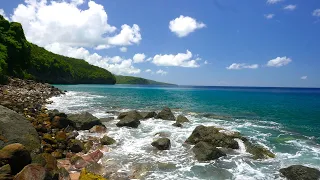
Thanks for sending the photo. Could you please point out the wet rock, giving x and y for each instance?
(14, 128)
(205, 152)
(98, 129)
(61, 122)
(163, 134)
(299, 172)
(135, 115)
(85, 175)
(166, 114)
(58, 154)
(258, 151)
(148, 115)
(78, 162)
(162, 144)
(128, 123)
(32, 172)
(63, 174)
(139, 171)
(96, 168)
(5, 172)
(212, 136)
(47, 161)
(84, 121)
(61, 136)
(88, 145)
(176, 124)
(106, 140)
(93, 156)
(16, 155)
(76, 146)
(182, 119)
(48, 138)
(108, 119)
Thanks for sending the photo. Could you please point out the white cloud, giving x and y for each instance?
(279, 61)
(162, 72)
(47, 22)
(238, 66)
(149, 59)
(304, 77)
(3, 14)
(206, 62)
(148, 71)
(100, 47)
(269, 16)
(273, 1)
(139, 58)
(290, 7)
(116, 64)
(184, 25)
(316, 13)
(123, 49)
(180, 59)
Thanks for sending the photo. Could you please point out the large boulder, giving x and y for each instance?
(299, 172)
(148, 115)
(32, 172)
(205, 152)
(84, 121)
(130, 115)
(16, 155)
(166, 114)
(182, 119)
(162, 143)
(14, 128)
(212, 136)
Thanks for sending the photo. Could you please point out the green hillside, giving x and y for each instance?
(19, 58)
(137, 80)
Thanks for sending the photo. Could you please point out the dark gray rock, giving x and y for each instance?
(128, 123)
(14, 128)
(106, 140)
(76, 146)
(84, 121)
(135, 115)
(148, 115)
(299, 172)
(162, 144)
(176, 124)
(206, 152)
(166, 114)
(182, 119)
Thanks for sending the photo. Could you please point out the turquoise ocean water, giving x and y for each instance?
(285, 120)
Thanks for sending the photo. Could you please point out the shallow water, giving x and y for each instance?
(287, 121)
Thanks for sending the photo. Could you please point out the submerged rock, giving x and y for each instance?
(162, 144)
(14, 128)
(299, 172)
(106, 140)
(84, 121)
(182, 119)
(205, 152)
(166, 114)
(147, 115)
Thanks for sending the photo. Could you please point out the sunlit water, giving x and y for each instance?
(287, 121)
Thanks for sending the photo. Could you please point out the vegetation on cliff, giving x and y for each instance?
(137, 80)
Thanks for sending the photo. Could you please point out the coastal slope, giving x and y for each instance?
(138, 80)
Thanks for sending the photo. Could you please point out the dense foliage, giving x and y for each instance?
(19, 58)
(137, 80)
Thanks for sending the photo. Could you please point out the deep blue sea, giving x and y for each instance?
(284, 120)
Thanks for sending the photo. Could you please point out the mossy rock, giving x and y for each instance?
(76, 146)
(182, 119)
(61, 136)
(85, 175)
(106, 140)
(258, 151)
(49, 139)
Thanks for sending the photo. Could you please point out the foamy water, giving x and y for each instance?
(134, 145)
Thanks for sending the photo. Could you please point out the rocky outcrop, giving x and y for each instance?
(106, 140)
(162, 143)
(16, 155)
(84, 121)
(205, 152)
(182, 119)
(148, 115)
(15, 128)
(166, 114)
(299, 172)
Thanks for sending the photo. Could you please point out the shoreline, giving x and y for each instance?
(87, 163)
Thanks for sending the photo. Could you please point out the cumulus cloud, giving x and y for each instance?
(116, 64)
(269, 16)
(123, 49)
(238, 66)
(46, 22)
(139, 58)
(316, 13)
(3, 14)
(184, 25)
(290, 7)
(162, 72)
(304, 77)
(148, 71)
(273, 1)
(180, 59)
(279, 61)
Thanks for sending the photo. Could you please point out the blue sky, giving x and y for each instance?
(204, 39)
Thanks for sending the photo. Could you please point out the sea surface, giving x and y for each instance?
(284, 120)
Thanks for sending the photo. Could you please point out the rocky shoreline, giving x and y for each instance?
(37, 143)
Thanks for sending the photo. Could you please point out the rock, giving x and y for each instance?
(162, 144)
(258, 151)
(148, 115)
(176, 124)
(16, 155)
(87, 146)
(14, 128)
(130, 115)
(108, 119)
(106, 140)
(63, 174)
(93, 157)
(58, 154)
(212, 136)
(32, 172)
(205, 152)
(47, 161)
(128, 122)
(5, 172)
(139, 171)
(61, 122)
(84, 121)
(61, 136)
(85, 175)
(76, 146)
(166, 114)
(48, 138)
(182, 119)
(98, 129)
(96, 168)
(299, 172)
(78, 162)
